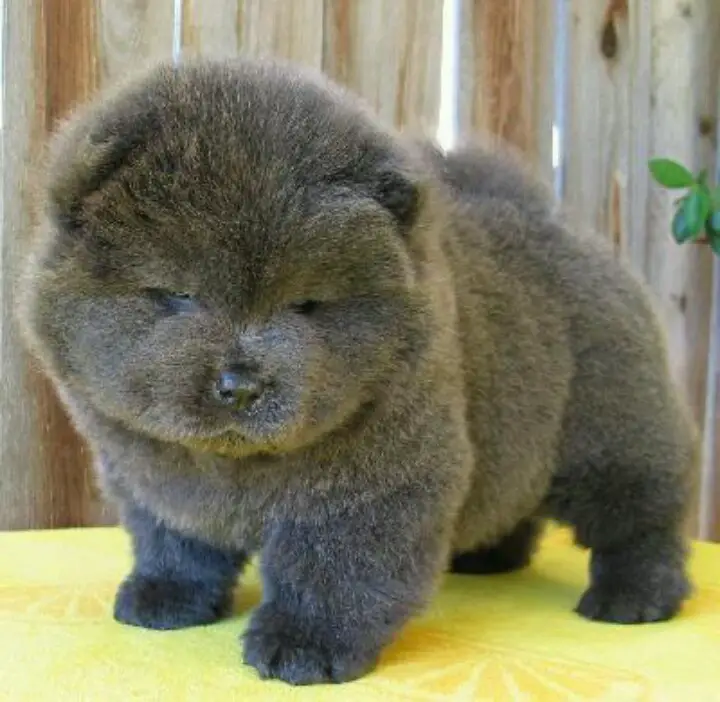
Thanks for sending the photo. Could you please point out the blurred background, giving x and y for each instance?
(590, 90)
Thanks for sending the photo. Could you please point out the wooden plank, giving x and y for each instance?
(62, 71)
(601, 98)
(610, 79)
(709, 527)
(707, 97)
(212, 28)
(710, 484)
(506, 75)
(43, 465)
(22, 458)
(289, 29)
(684, 74)
(66, 71)
(712, 422)
(390, 53)
(132, 34)
(61, 53)
(640, 77)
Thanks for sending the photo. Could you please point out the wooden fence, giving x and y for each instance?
(589, 90)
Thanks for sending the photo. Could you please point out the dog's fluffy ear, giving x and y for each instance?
(398, 194)
(83, 155)
(386, 182)
(86, 152)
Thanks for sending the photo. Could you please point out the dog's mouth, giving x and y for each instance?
(275, 424)
(228, 444)
(241, 438)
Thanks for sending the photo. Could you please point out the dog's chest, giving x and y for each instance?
(212, 500)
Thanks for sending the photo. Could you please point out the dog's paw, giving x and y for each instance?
(641, 602)
(279, 646)
(162, 603)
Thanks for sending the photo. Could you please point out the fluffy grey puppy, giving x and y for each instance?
(285, 329)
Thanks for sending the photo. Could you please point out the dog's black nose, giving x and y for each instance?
(237, 387)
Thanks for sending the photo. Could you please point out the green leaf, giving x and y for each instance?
(705, 200)
(689, 220)
(680, 230)
(714, 239)
(670, 174)
(715, 198)
(692, 210)
(712, 223)
(704, 188)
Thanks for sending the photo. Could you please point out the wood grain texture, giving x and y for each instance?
(602, 102)
(685, 40)
(710, 484)
(289, 29)
(506, 75)
(712, 531)
(390, 54)
(22, 459)
(212, 28)
(133, 34)
(641, 77)
(706, 45)
(64, 72)
(61, 53)
(43, 464)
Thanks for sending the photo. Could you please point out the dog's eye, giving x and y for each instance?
(172, 301)
(305, 306)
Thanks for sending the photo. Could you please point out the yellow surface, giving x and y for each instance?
(509, 637)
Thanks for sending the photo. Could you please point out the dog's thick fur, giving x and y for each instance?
(438, 364)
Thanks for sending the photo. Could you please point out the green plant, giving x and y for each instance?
(697, 213)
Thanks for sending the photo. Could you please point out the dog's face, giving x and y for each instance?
(225, 261)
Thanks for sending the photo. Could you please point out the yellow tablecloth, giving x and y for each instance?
(504, 637)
